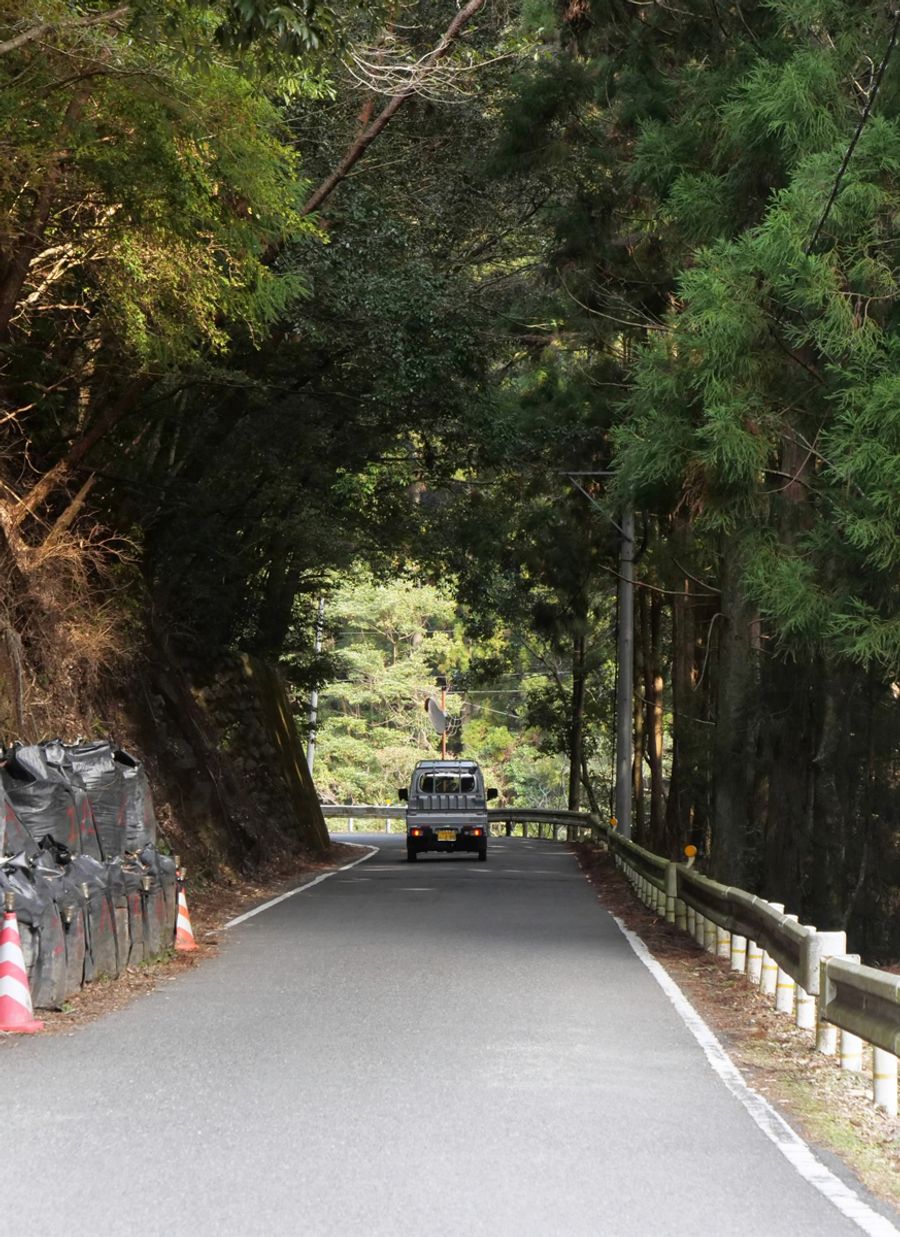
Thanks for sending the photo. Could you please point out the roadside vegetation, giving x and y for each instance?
(333, 299)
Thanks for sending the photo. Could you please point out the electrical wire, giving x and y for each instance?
(873, 94)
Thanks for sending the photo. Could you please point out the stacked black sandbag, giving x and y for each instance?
(101, 950)
(56, 756)
(42, 797)
(131, 875)
(104, 778)
(161, 901)
(140, 816)
(118, 900)
(14, 837)
(53, 866)
(40, 930)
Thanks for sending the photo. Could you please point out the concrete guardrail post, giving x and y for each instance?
(884, 1080)
(754, 962)
(681, 915)
(768, 974)
(723, 943)
(805, 1004)
(691, 926)
(709, 936)
(826, 945)
(699, 929)
(851, 1052)
(738, 953)
(784, 986)
(671, 882)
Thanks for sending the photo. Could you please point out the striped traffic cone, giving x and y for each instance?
(184, 933)
(16, 1010)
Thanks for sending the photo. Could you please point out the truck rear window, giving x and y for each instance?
(447, 784)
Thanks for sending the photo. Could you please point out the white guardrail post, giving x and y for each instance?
(884, 1080)
(768, 974)
(784, 985)
(738, 953)
(671, 884)
(754, 962)
(826, 945)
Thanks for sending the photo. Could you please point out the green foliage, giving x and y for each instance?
(390, 642)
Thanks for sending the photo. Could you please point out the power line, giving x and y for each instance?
(873, 93)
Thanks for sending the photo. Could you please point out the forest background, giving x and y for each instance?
(652, 242)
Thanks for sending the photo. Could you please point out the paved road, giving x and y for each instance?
(450, 1048)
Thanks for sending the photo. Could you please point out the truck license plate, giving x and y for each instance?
(446, 835)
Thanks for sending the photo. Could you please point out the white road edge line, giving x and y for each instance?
(258, 910)
(775, 1128)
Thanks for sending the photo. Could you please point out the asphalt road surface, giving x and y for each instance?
(450, 1047)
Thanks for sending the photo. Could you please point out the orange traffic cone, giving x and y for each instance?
(184, 933)
(16, 1010)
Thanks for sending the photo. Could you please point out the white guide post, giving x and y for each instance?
(754, 962)
(692, 921)
(681, 920)
(671, 883)
(805, 1004)
(784, 993)
(884, 1080)
(709, 936)
(851, 1052)
(829, 945)
(768, 975)
(738, 953)
(784, 987)
(805, 1010)
(723, 943)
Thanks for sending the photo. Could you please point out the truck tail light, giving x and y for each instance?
(476, 833)
(416, 833)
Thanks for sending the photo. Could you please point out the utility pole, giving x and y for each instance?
(314, 694)
(625, 680)
(442, 684)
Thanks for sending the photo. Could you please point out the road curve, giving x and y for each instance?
(446, 1048)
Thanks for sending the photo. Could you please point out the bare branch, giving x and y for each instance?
(386, 115)
(40, 32)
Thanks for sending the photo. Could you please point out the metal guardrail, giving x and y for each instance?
(809, 973)
(363, 811)
(864, 1000)
(556, 818)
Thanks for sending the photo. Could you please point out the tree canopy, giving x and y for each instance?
(432, 293)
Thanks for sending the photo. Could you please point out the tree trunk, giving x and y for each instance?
(576, 743)
(637, 765)
(651, 623)
(386, 115)
(734, 739)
